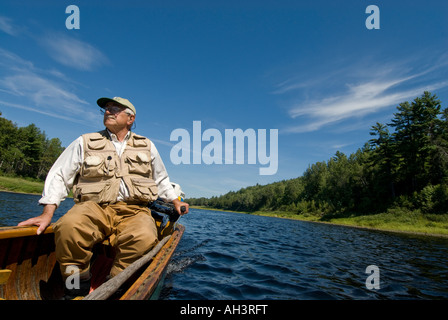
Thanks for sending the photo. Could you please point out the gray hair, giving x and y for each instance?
(129, 112)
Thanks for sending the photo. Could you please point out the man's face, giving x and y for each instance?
(115, 117)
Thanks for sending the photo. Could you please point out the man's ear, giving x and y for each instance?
(131, 120)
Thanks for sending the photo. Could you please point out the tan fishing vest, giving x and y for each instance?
(102, 170)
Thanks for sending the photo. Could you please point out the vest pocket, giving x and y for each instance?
(98, 166)
(144, 189)
(89, 192)
(139, 163)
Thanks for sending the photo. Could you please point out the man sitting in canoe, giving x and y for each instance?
(114, 173)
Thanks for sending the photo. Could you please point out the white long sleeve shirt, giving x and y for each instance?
(62, 174)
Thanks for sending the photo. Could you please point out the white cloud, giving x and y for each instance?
(41, 111)
(26, 87)
(43, 92)
(64, 49)
(169, 144)
(8, 27)
(72, 52)
(11, 60)
(366, 94)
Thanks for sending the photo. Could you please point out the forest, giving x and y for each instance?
(403, 166)
(26, 151)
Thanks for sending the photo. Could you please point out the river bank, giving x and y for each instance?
(393, 221)
(415, 223)
(20, 185)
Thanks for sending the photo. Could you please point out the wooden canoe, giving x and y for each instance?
(29, 270)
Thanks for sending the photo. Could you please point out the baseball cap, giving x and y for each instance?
(121, 101)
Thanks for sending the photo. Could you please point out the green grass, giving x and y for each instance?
(397, 220)
(21, 185)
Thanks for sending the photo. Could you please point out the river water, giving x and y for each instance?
(225, 255)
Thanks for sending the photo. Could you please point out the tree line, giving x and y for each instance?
(26, 151)
(403, 165)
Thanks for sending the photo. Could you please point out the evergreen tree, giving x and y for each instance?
(416, 129)
(383, 157)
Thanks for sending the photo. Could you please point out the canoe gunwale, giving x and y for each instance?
(17, 232)
(146, 284)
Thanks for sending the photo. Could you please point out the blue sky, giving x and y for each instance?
(310, 69)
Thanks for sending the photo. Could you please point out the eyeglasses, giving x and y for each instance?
(112, 110)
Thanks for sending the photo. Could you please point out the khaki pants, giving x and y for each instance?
(130, 228)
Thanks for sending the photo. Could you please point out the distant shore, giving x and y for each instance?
(415, 224)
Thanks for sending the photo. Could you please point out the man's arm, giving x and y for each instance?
(62, 174)
(161, 178)
(59, 180)
(42, 221)
(179, 204)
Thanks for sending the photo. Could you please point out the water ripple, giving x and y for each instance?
(247, 257)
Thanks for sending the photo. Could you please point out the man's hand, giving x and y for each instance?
(42, 221)
(178, 204)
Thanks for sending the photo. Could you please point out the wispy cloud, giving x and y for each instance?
(7, 26)
(26, 87)
(43, 92)
(46, 96)
(10, 60)
(166, 143)
(363, 94)
(47, 113)
(72, 52)
(66, 50)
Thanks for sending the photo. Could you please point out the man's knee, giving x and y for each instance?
(83, 215)
(132, 244)
(138, 238)
(76, 232)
